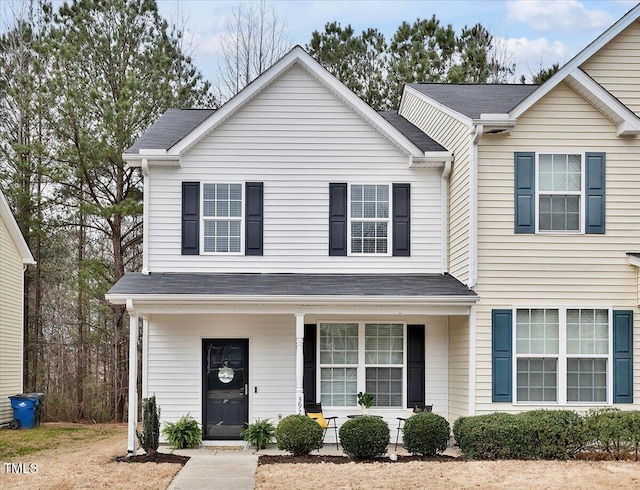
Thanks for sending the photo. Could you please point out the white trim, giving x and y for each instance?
(241, 219)
(575, 63)
(14, 232)
(300, 57)
(388, 220)
(633, 260)
(432, 159)
(133, 379)
(145, 357)
(472, 360)
(135, 160)
(146, 197)
(473, 206)
(627, 122)
(444, 217)
(562, 357)
(441, 107)
(299, 406)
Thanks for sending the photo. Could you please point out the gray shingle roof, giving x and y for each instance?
(427, 285)
(475, 99)
(415, 135)
(170, 128)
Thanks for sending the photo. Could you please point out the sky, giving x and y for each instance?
(536, 33)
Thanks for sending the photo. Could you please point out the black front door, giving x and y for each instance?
(226, 392)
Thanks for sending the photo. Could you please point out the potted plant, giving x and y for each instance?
(365, 400)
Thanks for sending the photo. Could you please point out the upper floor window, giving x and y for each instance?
(560, 194)
(369, 219)
(222, 218)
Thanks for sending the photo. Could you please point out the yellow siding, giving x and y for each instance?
(454, 136)
(555, 269)
(10, 322)
(458, 367)
(617, 67)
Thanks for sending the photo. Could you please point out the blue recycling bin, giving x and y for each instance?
(27, 409)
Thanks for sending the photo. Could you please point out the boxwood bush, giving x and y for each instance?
(613, 431)
(426, 434)
(492, 436)
(364, 437)
(299, 434)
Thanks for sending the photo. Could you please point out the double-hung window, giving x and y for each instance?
(361, 356)
(222, 218)
(561, 192)
(562, 355)
(369, 218)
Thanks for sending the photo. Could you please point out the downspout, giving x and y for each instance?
(132, 420)
(444, 218)
(145, 216)
(473, 208)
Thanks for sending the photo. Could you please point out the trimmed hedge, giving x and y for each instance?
(426, 434)
(299, 434)
(364, 437)
(548, 434)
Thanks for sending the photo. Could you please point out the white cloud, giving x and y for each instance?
(530, 55)
(558, 15)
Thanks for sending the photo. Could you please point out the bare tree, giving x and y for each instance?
(256, 37)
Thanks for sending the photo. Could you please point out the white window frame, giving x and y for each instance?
(362, 366)
(374, 220)
(562, 356)
(204, 218)
(582, 193)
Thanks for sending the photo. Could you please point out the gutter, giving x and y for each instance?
(444, 218)
(473, 207)
(146, 183)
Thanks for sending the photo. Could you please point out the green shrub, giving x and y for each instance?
(150, 436)
(259, 434)
(613, 431)
(299, 434)
(551, 434)
(364, 437)
(492, 436)
(185, 433)
(426, 434)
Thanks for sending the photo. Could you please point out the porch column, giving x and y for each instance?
(299, 363)
(133, 379)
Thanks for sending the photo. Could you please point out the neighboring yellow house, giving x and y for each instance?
(545, 226)
(14, 257)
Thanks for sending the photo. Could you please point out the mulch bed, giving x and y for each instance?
(317, 458)
(154, 458)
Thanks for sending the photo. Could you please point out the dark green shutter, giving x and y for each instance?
(254, 219)
(338, 219)
(415, 366)
(623, 356)
(402, 220)
(595, 205)
(501, 347)
(309, 350)
(190, 218)
(525, 192)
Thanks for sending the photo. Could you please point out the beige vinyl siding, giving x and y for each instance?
(174, 363)
(11, 286)
(454, 136)
(458, 367)
(554, 269)
(296, 137)
(617, 67)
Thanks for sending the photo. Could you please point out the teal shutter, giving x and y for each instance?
(595, 205)
(402, 220)
(623, 356)
(338, 219)
(525, 192)
(501, 347)
(190, 218)
(254, 219)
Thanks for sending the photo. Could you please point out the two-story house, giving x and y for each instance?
(475, 251)
(14, 257)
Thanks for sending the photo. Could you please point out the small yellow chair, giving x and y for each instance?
(314, 411)
(401, 421)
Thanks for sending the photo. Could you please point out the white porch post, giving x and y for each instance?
(299, 363)
(133, 378)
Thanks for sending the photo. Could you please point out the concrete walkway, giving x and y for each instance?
(235, 468)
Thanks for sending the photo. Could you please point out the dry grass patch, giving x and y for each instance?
(452, 475)
(76, 457)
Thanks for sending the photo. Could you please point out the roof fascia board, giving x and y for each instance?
(633, 260)
(133, 160)
(628, 123)
(227, 299)
(14, 231)
(300, 56)
(432, 159)
(577, 60)
(441, 107)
